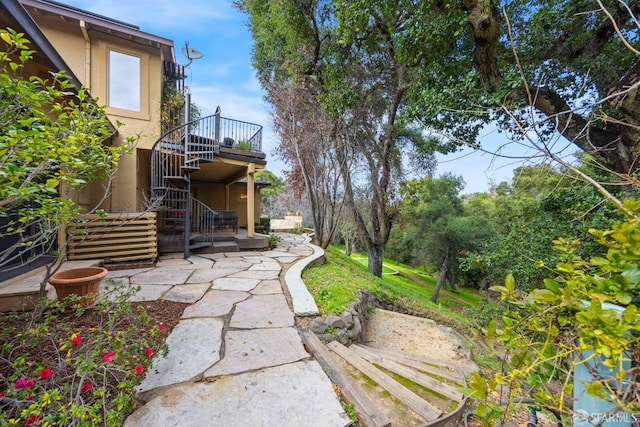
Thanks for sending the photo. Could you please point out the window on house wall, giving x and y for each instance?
(124, 81)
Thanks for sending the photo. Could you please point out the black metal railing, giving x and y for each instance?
(240, 135)
(202, 220)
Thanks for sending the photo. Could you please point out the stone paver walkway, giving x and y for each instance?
(235, 358)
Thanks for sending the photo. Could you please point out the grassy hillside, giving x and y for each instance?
(335, 283)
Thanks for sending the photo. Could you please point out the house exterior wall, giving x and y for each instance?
(87, 54)
(89, 45)
(213, 195)
(238, 202)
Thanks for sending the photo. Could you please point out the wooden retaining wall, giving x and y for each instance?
(116, 237)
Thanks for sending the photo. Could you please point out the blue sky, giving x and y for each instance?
(224, 75)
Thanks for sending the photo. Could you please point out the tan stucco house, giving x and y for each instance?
(195, 179)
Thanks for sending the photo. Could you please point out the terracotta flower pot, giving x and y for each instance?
(84, 282)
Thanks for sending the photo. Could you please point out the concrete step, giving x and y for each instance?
(199, 245)
(218, 247)
(258, 242)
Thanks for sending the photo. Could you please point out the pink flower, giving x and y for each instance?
(149, 351)
(108, 356)
(44, 374)
(24, 383)
(162, 327)
(139, 369)
(1, 393)
(32, 420)
(76, 341)
(86, 387)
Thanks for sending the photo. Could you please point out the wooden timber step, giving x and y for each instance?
(417, 362)
(369, 415)
(403, 394)
(439, 387)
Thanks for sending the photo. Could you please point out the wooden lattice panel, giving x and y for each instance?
(114, 237)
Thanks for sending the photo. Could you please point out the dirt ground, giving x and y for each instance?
(413, 335)
(425, 338)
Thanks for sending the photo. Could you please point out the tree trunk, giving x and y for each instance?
(376, 256)
(451, 281)
(375, 250)
(443, 275)
(348, 246)
(484, 17)
(318, 223)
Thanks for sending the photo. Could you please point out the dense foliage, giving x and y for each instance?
(539, 205)
(508, 231)
(586, 313)
(433, 227)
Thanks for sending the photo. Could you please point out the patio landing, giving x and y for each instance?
(223, 241)
(21, 293)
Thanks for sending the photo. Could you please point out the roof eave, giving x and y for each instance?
(98, 20)
(38, 40)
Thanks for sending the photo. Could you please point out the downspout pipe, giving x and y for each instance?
(87, 55)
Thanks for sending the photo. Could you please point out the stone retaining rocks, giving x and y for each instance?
(349, 327)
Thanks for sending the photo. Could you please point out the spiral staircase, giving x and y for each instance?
(179, 153)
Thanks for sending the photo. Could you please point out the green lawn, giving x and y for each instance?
(385, 268)
(335, 283)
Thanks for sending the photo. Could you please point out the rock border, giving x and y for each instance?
(301, 299)
(350, 326)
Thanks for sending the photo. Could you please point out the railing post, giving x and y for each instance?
(187, 120)
(187, 213)
(251, 169)
(187, 222)
(216, 126)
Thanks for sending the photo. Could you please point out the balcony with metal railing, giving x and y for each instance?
(225, 133)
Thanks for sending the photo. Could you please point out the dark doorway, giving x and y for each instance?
(22, 259)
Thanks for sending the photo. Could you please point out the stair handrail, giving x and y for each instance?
(212, 130)
(202, 220)
(173, 129)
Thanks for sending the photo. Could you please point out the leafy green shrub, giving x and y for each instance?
(264, 225)
(482, 314)
(243, 145)
(274, 240)
(545, 329)
(52, 137)
(61, 366)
